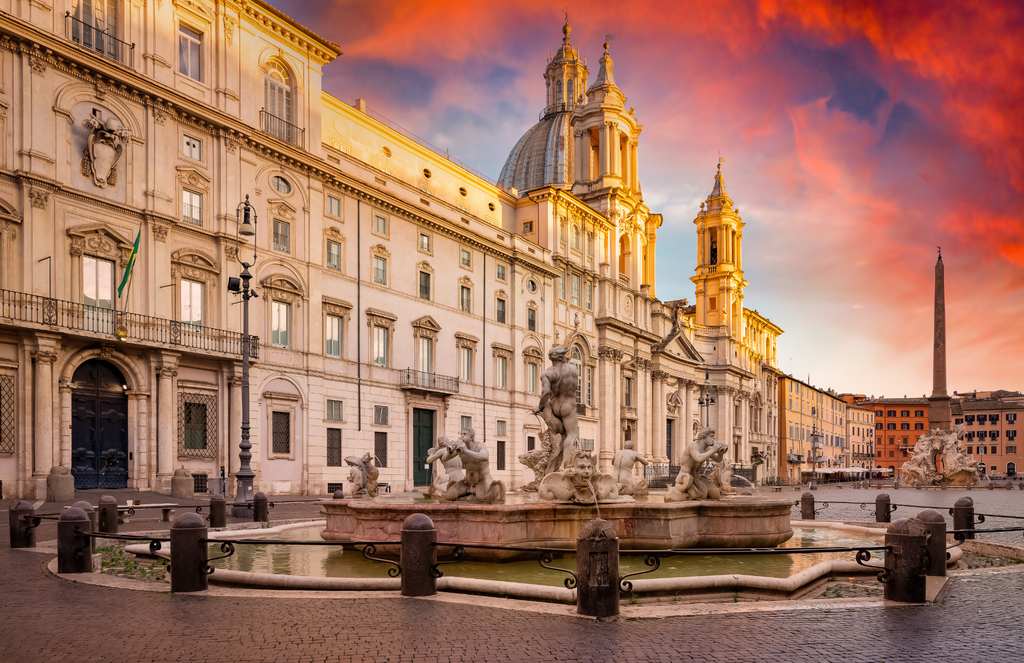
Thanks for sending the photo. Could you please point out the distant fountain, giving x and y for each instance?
(957, 469)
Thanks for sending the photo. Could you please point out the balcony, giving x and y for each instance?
(629, 412)
(99, 41)
(26, 311)
(794, 458)
(282, 129)
(192, 214)
(424, 381)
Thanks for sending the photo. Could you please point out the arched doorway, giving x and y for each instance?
(99, 426)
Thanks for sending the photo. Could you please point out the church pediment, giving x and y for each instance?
(686, 348)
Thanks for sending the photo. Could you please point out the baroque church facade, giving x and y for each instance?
(402, 295)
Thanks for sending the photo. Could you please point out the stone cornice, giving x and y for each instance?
(273, 22)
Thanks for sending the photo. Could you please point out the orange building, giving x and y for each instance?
(899, 422)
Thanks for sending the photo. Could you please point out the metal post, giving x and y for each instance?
(905, 565)
(188, 554)
(244, 477)
(597, 569)
(23, 532)
(963, 515)
(73, 550)
(882, 508)
(108, 515)
(807, 506)
(93, 517)
(260, 510)
(418, 556)
(218, 511)
(935, 527)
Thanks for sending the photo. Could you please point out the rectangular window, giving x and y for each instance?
(531, 378)
(333, 256)
(891, 426)
(380, 270)
(904, 426)
(891, 413)
(380, 415)
(334, 447)
(282, 235)
(97, 282)
(281, 315)
(191, 303)
(561, 287)
(192, 147)
(425, 242)
(993, 418)
(425, 285)
(465, 299)
(380, 448)
(466, 365)
(918, 426)
(193, 424)
(970, 450)
(499, 272)
(918, 413)
(500, 426)
(282, 432)
(333, 410)
(380, 346)
(189, 49)
(501, 454)
(332, 337)
(590, 385)
(380, 224)
(994, 435)
(527, 227)
(1011, 449)
(426, 352)
(1011, 418)
(575, 289)
(531, 319)
(465, 258)
(500, 372)
(627, 393)
(333, 206)
(465, 422)
(499, 311)
(531, 443)
(904, 413)
(589, 293)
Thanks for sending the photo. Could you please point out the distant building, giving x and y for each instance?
(899, 422)
(860, 435)
(812, 429)
(991, 421)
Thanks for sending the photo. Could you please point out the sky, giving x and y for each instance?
(857, 138)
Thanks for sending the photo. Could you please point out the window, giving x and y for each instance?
(193, 425)
(918, 426)
(589, 293)
(192, 207)
(500, 451)
(191, 303)
(561, 287)
(878, 426)
(590, 244)
(576, 361)
(277, 101)
(280, 318)
(97, 282)
(192, 147)
(426, 352)
(466, 365)
(531, 319)
(575, 289)
(589, 386)
(333, 255)
(282, 235)
(380, 345)
(891, 413)
(1011, 418)
(333, 410)
(627, 392)
(527, 227)
(499, 272)
(334, 447)
(499, 310)
(332, 337)
(189, 47)
(465, 299)
(904, 426)
(993, 418)
(380, 448)
(500, 372)
(333, 206)
(531, 443)
(576, 237)
(531, 285)
(282, 432)
(425, 285)
(425, 242)
(465, 258)
(891, 426)
(1011, 435)
(380, 270)
(465, 422)
(969, 418)
(99, 18)
(904, 413)
(500, 426)
(380, 224)
(918, 413)
(994, 435)
(380, 415)
(531, 378)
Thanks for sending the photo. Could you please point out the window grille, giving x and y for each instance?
(197, 425)
(501, 454)
(334, 448)
(7, 410)
(587, 444)
(200, 483)
(282, 433)
(380, 448)
(531, 443)
(335, 486)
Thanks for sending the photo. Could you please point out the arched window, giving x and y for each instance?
(558, 93)
(575, 237)
(576, 359)
(277, 102)
(569, 98)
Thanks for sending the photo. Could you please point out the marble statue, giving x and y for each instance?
(580, 482)
(625, 459)
(690, 485)
(450, 466)
(957, 469)
(362, 477)
(537, 460)
(557, 407)
(721, 476)
(106, 144)
(478, 485)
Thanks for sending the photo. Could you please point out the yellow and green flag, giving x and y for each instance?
(131, 264)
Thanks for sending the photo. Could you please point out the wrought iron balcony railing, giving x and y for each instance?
(286, 131)
(410, 379)
(26, 309)
(99, 41)
(192, 214)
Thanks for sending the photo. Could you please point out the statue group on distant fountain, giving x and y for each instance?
(957, 468)
(466, 472)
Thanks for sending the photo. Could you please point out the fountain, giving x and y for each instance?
(469, 507)
(957, 469)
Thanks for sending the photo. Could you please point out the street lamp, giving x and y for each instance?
(706, 400)
(245, 214)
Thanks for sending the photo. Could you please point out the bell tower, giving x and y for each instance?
(719, 275)
(565, 76)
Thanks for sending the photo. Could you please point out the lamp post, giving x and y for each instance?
(706, 400)
(246, 216)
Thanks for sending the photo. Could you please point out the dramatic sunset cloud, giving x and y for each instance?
(857, 137)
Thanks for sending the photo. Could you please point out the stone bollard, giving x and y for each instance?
(807, 506)
(905, 565)
(260, 510)
(597, 569)
(991, 486)
(218, 511)
(23, 531)
(93, 520)
(74, 553)
(935, 529)
(182, 484)
(188, 554)
(108, 515)
(882, 508)
(418, 556)
(60, 485)
(963, 514)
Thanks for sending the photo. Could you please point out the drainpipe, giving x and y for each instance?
(359, 316)
(484, 430)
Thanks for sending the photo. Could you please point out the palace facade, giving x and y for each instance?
(402, 295)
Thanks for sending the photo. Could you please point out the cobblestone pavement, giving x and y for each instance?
(51, 619)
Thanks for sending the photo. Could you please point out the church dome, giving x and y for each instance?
(541, 156)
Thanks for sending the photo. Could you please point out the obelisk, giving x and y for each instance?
(938, 403)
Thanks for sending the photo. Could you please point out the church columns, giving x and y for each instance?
(166, 420)
(723, 404)
(660, 416)
(634, 176)
(609, 401)
(42, 411)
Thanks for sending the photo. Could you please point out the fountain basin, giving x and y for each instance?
(740, 522)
